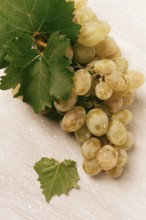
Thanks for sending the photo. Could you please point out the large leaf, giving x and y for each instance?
(36, 16)
(43, 76)
(56, 178)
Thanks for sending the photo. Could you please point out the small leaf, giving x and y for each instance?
(56, 178)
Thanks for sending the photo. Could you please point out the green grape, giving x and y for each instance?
(117, 53)
(74, 119)
(104, 67)
(83, 134)
(97, 122)
(117, 133)
(115, 172)
(91, 167)
(103, 91)
(124, 116)
(122, 156)
(136, 78)
(129, 143)
(90, 148)
(107, 157)
(106, 48)
(114, 103)
(82, 82)
(83, 54)
(121, 64)
(116, 81)
(84, 15)
(66, 105)
(92, 33)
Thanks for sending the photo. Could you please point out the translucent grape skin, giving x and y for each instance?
(82, 82)
(115, 172)
(91, 167)
(97, 122)
(124, 116)
(129, 143)
(66, 105)
(136, 78)
(73, 119)
(116, 81)
(83, 134)
(103, 91)
(84, 15)
(114, 103)
(104, 67)
(83, 54)
(121, 64)
(107, 157)
(106, 48)
(92, 33)
(122, 156)
(117, 53)
(90, 148)
(117, 133)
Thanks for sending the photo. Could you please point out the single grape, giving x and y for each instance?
(121, 64)
(117, 133)
(129, 143)
(90, 148)
(116, 81)
(83, 54)
(122, 156)
(103, 91)
(83, 134)
(129, 90)
(82, 82)
(84, 15)
(91, 167)
(107, 157)
(117, 53)
(105, 66)
(97, 122)
(106, 48)
(114, 103)
(74, 119)
(124, 116)
(136, 78)
(92, 33)
(115, 172)
(66, 105)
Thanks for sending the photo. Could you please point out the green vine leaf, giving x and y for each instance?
(43, 76)
(56, 178)
(36, 17)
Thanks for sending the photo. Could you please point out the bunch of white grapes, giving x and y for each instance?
(103, 88)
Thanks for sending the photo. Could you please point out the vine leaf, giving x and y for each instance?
(56, 178)
(36, 16)
(43, 76)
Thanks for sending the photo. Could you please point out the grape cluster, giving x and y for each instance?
(103, 88)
